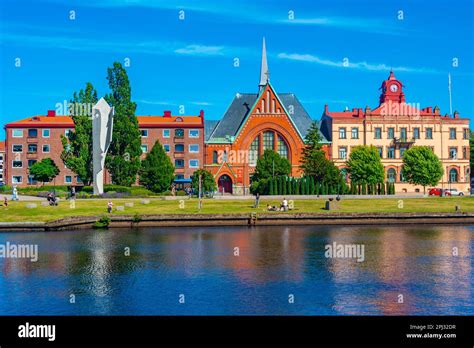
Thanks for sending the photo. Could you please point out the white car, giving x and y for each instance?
(455, 192)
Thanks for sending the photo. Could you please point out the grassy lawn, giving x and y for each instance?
(17, 211)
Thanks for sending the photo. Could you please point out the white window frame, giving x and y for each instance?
(144, 145)
(169, 133)
(13, 145)
(191, 166)
(17, 136)
(17, 176)
(193, 136)
(13, 167)
(144, 130)
(164, 147)
(67, 182)
(49, 132)
(189, 148)
(42, 148)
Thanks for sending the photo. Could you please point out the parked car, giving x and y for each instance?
(455, 192)
(438, 192)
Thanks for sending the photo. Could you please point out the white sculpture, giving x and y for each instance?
(102, 126)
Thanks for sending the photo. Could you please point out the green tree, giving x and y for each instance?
(208, 184)
(271, 164)
(365, 166)
(157, 171)
(271, 192)
(44, 170)
(422, 167)
(123, 157)
(77, 147)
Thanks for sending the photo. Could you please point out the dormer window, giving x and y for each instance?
(179, 119)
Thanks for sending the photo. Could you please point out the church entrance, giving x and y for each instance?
(225, 184)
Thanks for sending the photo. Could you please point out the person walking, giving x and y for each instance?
(15, 194)
(257, 200)
(110, 205)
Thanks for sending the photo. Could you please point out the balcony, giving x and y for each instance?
(31, 139)
(403, 142)
(179, 139)
(179, 154)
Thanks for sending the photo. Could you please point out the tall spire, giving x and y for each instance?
(264, 73)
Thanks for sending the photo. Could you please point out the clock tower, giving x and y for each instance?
(392, 90)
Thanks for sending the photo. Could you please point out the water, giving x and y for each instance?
(416, 262)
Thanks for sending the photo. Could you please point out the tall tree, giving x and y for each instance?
(123, 157)
(77, 147)
(365, 166)
(208, 184)
(157, 171)
(271, 164)
(44, 170)
(422, 167)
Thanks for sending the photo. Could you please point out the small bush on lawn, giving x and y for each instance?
(104, 222)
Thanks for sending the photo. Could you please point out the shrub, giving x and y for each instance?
(103, 222)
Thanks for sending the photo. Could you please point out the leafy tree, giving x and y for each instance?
(123, 157)
(365, 166)
(208, 184)
(44, 170)
(270, 189)
(422, 167)
(77, 147)
(271, 164)
(157, 171)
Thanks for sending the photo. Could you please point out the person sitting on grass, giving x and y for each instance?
(110, 205)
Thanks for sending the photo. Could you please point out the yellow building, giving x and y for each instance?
(393, 127)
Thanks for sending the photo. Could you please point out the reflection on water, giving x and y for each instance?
(272, 264)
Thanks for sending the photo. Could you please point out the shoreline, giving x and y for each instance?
(252, 219)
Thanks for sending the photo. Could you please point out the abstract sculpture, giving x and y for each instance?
(102, 126)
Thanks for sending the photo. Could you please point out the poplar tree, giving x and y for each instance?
(157, 171)
(123, 157)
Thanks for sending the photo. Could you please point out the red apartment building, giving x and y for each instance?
(34, 138)
(2, 162)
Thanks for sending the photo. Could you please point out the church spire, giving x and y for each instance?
(264, 73)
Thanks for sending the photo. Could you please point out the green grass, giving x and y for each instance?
(17, 211)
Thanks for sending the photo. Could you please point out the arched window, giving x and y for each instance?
(254, 151)
(214, 157)
(453, 175)
(179, 133)
(391, 175)
(268, 140)
(282, 147)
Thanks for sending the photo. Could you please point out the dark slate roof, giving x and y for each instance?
(209, 126)
(241, 105)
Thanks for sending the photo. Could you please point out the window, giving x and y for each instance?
(194, 133)
(46, 133)
(17, 179)
(342, 133)
(343, 152)
(452, 133)
(194, 163)
(79, 180)
(268, 140)
(144, 133)
(31, 162)
(32, 148)
(453, 175)
(166, 147)
(179, 163)
(402, 151)
(390, 133)
(416, 133)
(429, 133)
(179, 133)
(402, 176)
(17, 133)
(453, 152)
(403, 133)
(166, 133)
(194, 148)
(144, 148)
(391, 152)
(45, 148)
(68, 179)
(355, 133)
(32, 133)
(179, 148)
(215, 157)
(282, 147)
(391, 175)
(465, 133)
(465, 153)
(179, 177)
(378, 133)
(254, 151)
(380, 148)
(17, 164)
(17, 148)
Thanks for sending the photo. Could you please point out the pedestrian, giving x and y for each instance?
(15, 193)
(110, 205)
(5, 202)
(73, 192)
(257, 200)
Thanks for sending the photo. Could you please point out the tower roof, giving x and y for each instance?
(264, 73)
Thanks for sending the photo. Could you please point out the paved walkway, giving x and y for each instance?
(21, 198)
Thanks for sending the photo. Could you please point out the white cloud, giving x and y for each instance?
(201, 50)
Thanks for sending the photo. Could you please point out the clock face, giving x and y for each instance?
(393, 88)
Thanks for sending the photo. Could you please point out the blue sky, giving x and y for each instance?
(190, 62)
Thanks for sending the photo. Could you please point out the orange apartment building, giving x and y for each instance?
(34, 138)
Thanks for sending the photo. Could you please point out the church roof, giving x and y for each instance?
(235, 115)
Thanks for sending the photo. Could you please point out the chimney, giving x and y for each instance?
(429, 109)
(167, 113)
(51, 113)
(326, 109)
(456, 114)
(201, 113)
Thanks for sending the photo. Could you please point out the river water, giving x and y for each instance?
(412, 270)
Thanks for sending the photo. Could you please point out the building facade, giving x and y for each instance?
(2, 162)
(393, 127)
(34, 138)
(253, 123)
